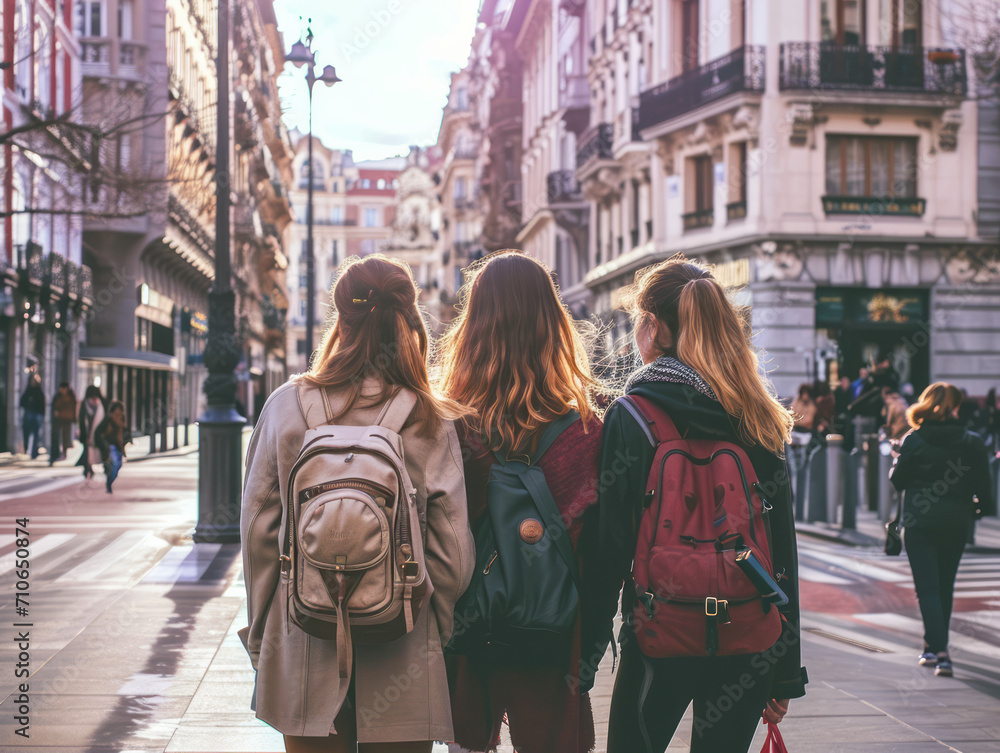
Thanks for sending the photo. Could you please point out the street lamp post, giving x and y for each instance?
(302, 54)
(220, 427)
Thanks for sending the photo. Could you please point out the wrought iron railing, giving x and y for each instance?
(874, 205)
(596, 144)
(561, 185)
(741, 70)
(698, 219)
(823, 66)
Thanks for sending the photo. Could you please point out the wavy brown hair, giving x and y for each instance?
(514, 355)
(377, 332)
(712, 336)
(936, 403)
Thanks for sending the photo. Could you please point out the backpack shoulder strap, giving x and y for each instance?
(652, 419)
(314, 402)
(396, 410)
(552, 432)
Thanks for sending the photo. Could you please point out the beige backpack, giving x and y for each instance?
(353, 548)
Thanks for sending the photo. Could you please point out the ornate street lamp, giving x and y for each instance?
(220, 427)
(302, 54)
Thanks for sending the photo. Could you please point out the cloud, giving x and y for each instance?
(394, 57)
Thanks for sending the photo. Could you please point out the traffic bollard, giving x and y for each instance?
(834, 475)
(885, 497)
(816, 502)
(851, 490)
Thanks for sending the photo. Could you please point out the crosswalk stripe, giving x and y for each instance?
(183, 563)
(37, 548)
(910, 626)
(100, 561)
(818, 576)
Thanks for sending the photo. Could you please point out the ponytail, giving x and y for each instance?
(713, 337)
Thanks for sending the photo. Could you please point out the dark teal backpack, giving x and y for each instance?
(524, 596)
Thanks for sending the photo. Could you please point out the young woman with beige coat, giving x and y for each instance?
(399, 700)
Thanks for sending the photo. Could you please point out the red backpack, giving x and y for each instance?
(703, 508)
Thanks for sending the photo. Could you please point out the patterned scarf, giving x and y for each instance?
(669, 369)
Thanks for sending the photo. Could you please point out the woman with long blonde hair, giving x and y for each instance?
(700, 385)
(371, 367)
(943, 471)
(515, 357)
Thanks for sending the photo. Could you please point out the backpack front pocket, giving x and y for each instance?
(343, 530)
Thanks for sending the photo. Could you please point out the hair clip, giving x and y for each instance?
(360, 300)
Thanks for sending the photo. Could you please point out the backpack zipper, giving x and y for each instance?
(706, 461)
(373, 490)
(486, 570)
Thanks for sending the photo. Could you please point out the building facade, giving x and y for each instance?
(824, 157)
(146, 346)
(354, 205)
(45, 293)
(460, 143)
(416, 229)
(549, 38)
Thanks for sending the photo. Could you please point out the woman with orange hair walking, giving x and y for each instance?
(941, 469)
(516, 358)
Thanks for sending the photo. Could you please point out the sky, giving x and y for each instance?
(395, 58)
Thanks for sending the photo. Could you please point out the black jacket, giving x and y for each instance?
(940, 468)
(610, 533)
(33, 399)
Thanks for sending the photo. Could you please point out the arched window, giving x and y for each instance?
(381, 184)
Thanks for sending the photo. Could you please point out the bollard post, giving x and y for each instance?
(176, 434)
(186, 431)
(885, 488)
(817, 504)
(851, 490)
(834, 475)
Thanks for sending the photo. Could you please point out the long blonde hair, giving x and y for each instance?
(712, 336)
(377, 332)
(936, 403)
(513, 354)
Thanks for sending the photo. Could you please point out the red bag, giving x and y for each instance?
(773, 743)
(703, 504)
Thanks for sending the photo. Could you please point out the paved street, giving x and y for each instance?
(133, 640)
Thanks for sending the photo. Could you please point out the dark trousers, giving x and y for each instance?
(934, 555)
(62, 438)
(651, 696)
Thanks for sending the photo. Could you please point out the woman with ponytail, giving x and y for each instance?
(700, 370)
(375, 351)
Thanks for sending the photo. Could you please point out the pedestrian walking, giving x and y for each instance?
(92, 411)
(894, 414)
(695, 626)
(858, 385)
(317, 686)
(515, 357)
(111, 436)
(63, 417)
(32, 414)
(943, 472)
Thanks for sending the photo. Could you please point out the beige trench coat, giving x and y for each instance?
(401, 689)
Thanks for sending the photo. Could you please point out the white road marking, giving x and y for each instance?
(110, 555)
(37, 548)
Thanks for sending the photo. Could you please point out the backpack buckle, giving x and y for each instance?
(646, 600)
(411, 569)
